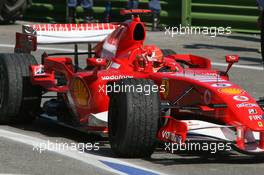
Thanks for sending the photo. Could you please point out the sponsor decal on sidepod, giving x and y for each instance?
(240, 98)
(116, 77)
(231, 91)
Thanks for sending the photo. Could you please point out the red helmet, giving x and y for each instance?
(151, 54)
(154, 54)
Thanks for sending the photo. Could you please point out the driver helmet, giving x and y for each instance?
(154, 55)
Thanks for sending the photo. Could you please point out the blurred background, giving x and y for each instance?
(241, 15)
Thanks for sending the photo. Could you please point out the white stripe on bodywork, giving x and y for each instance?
(223, 132)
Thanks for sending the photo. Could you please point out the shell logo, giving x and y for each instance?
(80, 92)
(231, 91)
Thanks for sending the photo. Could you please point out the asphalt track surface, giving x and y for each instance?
(19, 144)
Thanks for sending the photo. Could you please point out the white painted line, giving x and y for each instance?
(239, 66)
(88, 158)
(71, 50)
(13, 174)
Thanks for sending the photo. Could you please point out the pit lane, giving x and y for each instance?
(19, 158)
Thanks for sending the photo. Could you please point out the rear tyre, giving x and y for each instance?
(19, 99)
(10, 10)
(133, 120)
(167, 52)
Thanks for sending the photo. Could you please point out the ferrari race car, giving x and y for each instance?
(136, 94)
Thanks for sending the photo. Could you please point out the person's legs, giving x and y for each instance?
(88, 10)
(155, 6)
(129, 4)
(108, 10)
(132, 4)
(72, 3)
(135, 5)
(71, 11)
(155, 19)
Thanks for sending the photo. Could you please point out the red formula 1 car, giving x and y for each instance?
(135, 93)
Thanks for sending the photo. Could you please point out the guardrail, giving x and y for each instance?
(241, 15)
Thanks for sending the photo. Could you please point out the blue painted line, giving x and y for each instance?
(128, 169)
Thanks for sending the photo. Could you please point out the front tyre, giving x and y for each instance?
(133, 119)
(19, 99)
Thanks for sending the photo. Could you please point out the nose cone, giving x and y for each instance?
(251, 117)
(243, 108)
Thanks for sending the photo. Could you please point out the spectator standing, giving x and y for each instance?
(261, 25)
(155, 6)
(87, 6)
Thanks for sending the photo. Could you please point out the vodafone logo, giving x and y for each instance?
(116, 77)
(240, 98)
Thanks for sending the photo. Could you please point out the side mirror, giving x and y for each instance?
(231, 59)
(97, 62)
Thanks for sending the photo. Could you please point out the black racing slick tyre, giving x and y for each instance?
(19, 99)
(10, 10)
(133, 119)
(167, 52)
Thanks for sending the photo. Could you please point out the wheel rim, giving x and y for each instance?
(2, 85)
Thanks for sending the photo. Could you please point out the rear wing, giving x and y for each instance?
(40, 34)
